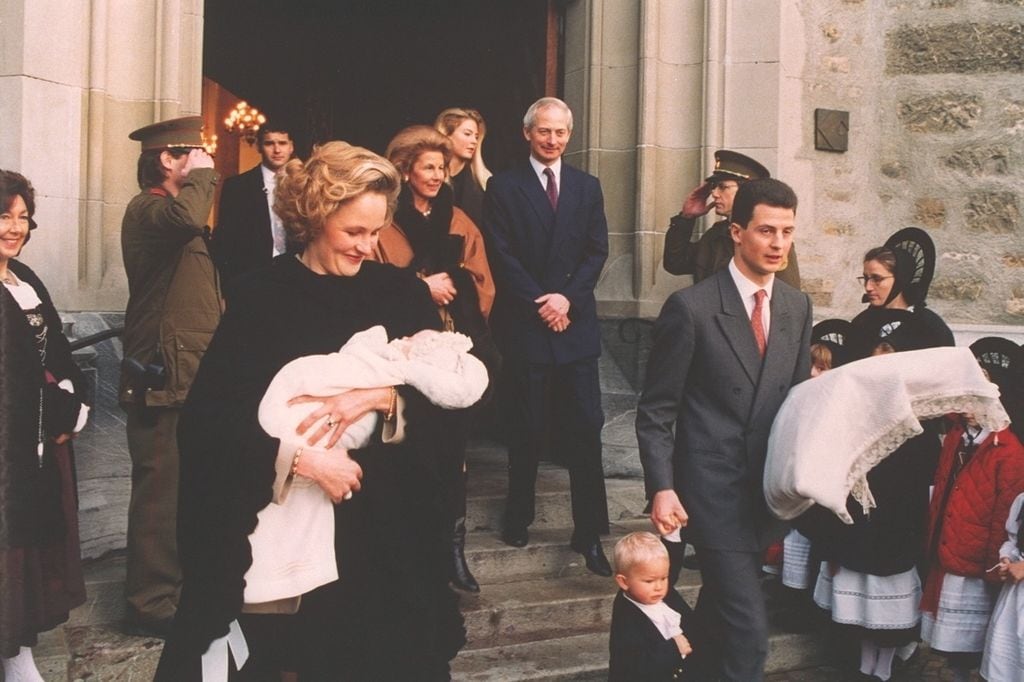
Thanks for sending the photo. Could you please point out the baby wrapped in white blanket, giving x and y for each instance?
(832, 430)
(293, 543)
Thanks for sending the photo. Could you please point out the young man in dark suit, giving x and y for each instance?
(726, 351)
(547, 240)
(249, 234)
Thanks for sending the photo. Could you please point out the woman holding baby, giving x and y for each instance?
(391, 593)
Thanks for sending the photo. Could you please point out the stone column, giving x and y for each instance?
(77, 78)
(602, 63)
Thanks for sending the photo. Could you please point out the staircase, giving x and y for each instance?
(540, 614)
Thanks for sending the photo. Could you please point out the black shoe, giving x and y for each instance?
(461, 578)
(594, 558)
(515, 536)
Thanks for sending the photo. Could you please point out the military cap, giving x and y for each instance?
(185, 132)
(731, 165)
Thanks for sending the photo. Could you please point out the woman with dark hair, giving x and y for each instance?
(42, 405)
(467, 172)
(390, 613)
(437, 241)
(870, 579)
(896, 277)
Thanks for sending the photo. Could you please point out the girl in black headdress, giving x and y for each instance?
(870, 577)
(896, 277)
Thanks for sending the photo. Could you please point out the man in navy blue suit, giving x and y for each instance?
(547, 241)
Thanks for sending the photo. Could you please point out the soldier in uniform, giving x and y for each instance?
(713, 251)
(174, 305)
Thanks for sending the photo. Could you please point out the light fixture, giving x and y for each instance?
(244, 121)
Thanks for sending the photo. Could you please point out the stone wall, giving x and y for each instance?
(933, 88)
(74, 78)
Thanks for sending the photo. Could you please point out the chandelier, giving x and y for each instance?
(244, 120)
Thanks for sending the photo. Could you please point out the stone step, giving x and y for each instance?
(585, 657)
(485, 505)
(548, 554)
(531, 610)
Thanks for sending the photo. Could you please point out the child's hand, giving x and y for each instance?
(1015, 571)
(683, 645)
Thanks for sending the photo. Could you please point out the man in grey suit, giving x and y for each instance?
(726, 351)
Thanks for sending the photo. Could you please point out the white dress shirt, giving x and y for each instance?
(747, 290)
(664, 617)
(276, 226)
(556, 167)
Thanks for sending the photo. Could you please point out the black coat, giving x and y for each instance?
(30, 508)
(637, 650)
(534, 250)
(393, 581)
(243, 241)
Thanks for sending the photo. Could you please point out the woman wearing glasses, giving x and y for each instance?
(869, 578)
(896, 277)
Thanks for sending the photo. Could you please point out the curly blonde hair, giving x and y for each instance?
(335, 173)
(409, 143)
(450, 119)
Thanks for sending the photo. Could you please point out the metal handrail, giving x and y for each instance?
(98, 337)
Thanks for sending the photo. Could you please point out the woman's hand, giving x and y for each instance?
(442, 288)
(338, 412)
(335, 472)
(1015, 571)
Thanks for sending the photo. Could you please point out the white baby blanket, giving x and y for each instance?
(833, 429)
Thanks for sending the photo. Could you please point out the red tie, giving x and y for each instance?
(552, 188)
(757, 321)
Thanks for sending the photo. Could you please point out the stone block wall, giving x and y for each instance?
(933, 88)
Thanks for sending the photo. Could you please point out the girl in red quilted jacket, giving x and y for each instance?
(978, 476)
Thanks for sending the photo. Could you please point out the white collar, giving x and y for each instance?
(538, 169)
(269, 177)
(664, 617)
(747, 288)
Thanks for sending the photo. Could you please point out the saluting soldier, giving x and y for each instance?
(713, 251)
(174, 305)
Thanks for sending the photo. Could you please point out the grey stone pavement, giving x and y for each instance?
(91, 647)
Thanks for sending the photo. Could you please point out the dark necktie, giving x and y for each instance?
(757, 321)
(552, 188)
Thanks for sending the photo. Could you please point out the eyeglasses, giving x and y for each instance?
(874, 279)
(723, 185)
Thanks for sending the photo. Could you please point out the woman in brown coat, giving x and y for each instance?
(445, 248)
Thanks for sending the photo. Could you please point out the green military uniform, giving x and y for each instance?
(713, 251)
(174, 305)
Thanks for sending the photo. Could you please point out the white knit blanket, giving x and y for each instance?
(833, 429)
(293, 543)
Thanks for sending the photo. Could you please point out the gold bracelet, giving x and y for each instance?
(392, 405)
(295, 462)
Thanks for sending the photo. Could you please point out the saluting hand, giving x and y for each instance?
(696, 204)
(197, 158)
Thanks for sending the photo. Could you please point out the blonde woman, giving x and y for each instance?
(467, 172)
(392, 585)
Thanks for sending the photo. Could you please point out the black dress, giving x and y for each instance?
(40, 565)
(391, 614)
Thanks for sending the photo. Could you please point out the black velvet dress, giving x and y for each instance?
(40, 565)
(391, 614)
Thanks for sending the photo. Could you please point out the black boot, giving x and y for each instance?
(460, 576)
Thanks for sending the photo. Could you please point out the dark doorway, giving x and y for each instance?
(360, 71)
